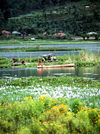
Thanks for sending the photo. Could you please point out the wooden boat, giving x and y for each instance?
(57, 66)
(16, 64)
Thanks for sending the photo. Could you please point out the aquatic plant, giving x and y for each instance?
(55, 87)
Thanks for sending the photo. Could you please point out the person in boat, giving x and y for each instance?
(54, 58)
(23, 61)
(40, 64)
(49, 57)
(14, 60)
(43, 59)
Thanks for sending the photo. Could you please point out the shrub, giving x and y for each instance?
(76, 105)
(46, 115)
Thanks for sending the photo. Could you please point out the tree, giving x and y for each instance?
(2, 21)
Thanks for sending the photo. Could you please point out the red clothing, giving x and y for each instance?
(40, 64)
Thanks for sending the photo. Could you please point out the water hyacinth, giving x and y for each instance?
(54, 92)
(56, 87)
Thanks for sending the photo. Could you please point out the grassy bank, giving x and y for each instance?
(31, 49)
(44, 42)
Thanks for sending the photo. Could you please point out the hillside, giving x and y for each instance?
(69, 17)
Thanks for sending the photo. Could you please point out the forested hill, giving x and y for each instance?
(72, 16)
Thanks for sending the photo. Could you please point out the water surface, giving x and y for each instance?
(87, 46)
(36, 53)
(86, 72)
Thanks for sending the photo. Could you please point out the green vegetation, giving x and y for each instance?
(5, 63)
(56, 87)
(37, 42)
(71, 17)
(49, 105)
(45, 115)
(84, 59)
(31, 49)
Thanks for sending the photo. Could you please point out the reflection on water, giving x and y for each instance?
(56, 71)
(87, 72)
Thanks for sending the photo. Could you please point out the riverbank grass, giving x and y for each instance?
(44, 42)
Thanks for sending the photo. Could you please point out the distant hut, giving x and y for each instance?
(16, 33)
(93, 34)
(5, 32)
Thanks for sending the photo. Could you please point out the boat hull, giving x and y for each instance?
(57, 66)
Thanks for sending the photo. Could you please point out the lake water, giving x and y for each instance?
(91, 73)
(35, 54)
(93, 47)
(88, 46)
(86, 72)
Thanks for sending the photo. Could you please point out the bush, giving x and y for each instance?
(46, 115)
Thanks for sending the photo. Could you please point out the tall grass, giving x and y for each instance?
(89, 56)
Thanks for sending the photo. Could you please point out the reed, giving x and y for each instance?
(89, 56)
